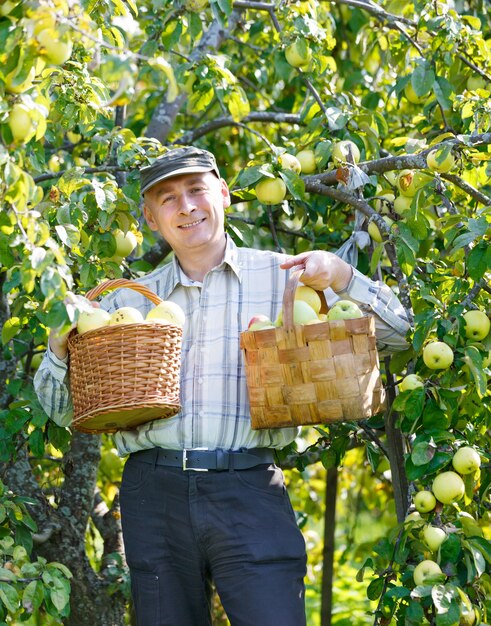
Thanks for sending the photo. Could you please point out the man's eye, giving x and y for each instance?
(167, 199)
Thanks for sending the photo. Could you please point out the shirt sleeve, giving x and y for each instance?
(391, 321)
(52, 388)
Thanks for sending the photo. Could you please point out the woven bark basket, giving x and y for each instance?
(124, 375)
(312, 374)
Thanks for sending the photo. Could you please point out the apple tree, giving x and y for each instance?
(349, 126)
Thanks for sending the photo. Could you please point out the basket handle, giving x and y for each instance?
(110, 285)
(289, 296)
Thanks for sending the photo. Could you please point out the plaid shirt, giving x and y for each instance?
(215, 409)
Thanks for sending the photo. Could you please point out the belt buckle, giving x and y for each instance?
(185, 461)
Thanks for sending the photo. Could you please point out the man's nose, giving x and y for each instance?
(188, 204)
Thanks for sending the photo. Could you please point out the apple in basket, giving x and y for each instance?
(126, 315)
(92, 319)
(260, 322)
(167, 312)
(344, 310)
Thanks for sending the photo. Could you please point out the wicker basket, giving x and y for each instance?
(124, 375)
(314, 373)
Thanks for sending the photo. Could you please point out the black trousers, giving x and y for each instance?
(184, 529)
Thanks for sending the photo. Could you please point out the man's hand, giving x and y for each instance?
(58, 342)
(322, 270)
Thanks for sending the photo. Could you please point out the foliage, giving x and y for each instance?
(28, 587)
(126, 81)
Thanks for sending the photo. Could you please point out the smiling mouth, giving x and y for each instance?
(191, 224)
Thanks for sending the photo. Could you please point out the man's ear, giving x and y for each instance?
(149, 218)
(225, 194)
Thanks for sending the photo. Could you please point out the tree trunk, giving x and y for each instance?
(329, 545)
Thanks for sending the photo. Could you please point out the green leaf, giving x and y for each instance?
(10, 329)
(9, 597)
(423, 78)
(410, 402)
(482, 545)
(375, 588)
(406, 258)
(33, 596)
(479, 260)
(473, 361)
(423, 452)
(294, 183)
(237, 103)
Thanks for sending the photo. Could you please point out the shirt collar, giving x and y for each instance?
(230, 258)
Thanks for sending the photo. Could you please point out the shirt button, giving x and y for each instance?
(200, 381)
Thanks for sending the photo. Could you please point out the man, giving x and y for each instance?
(233, 523)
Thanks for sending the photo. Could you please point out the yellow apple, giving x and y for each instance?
(374, 230)
(466, 460)
(344, 310)
(307, 161)
(384, 201)
(289, 162)
(341, 151)
(298, 54)
(437, 164)
(125, 242)
(426, 571)
(13, 87)
(411, 94)
(437, 355)
(476, 82)
(126, 315)
(402, 204)
(448, 487)
(260, 322)
(271, 190)
(21, 123)
(56, 49)
(195, 5)
(92, 319)
(434, 537)
(477, 325)
(411, 381)
(167, 312)
(310, 296)
(424, 501)
(303, 312)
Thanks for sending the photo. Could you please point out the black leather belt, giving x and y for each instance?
(202, 460)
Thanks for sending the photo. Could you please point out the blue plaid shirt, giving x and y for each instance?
(215, 408)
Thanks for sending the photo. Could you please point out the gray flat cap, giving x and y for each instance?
(185, 160)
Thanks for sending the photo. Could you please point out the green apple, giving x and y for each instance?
(415, 516)
(307, 161)
(310, 296)
(92, 319)
(466, 460)
(448, 487)
(410, 382)
(298, 54)
(437, 355)
(125, 242)
(477, 325)
(21, 123)
(271, 190)
(436, 163)
(289, 162)
(344, 310)
(126, 315)
(167, 312)
(434, 537)
(303, 313)
(424, 501)
(425, 571)
(341, 151)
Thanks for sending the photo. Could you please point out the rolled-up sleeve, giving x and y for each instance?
(391, 320)
(51, 385)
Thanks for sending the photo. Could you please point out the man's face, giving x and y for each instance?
(188, 210)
